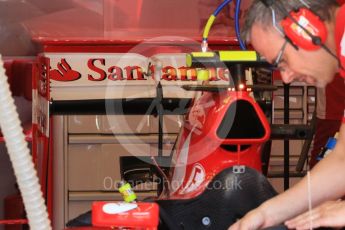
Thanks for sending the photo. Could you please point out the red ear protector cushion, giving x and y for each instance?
(311, 22)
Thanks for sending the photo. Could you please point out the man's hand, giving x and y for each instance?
(253, 220)
(328, 214)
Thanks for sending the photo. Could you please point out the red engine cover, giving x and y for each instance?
(203, 150)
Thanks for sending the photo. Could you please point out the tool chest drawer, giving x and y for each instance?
(108, 124)
(92, 166)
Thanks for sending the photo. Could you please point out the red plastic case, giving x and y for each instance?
(145, 216)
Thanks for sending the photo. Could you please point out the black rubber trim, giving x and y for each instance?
(173, 106)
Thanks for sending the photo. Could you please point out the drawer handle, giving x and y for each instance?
(97, 123)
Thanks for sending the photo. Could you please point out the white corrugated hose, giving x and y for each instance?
(21, 158)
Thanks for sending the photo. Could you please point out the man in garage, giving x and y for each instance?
(317, 67)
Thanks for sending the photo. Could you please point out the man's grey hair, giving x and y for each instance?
(259, 13)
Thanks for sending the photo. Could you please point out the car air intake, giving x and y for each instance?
(241, 121)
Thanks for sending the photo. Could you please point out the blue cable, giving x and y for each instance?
(237, 21)
(237, 25)
(216, 12)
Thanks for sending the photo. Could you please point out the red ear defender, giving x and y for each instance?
(309, 21)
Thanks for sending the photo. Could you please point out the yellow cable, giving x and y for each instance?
(208, 26)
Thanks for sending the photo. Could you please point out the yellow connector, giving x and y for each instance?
(203, 75)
